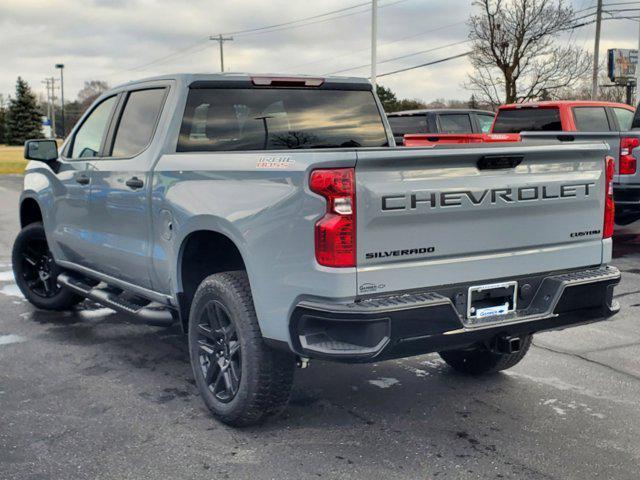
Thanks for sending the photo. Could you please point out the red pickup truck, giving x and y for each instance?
(567, 116)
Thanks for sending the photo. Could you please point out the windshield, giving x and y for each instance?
(528, 120)
(224, 119)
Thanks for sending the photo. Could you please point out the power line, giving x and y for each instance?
(401, 57)
(353, 52)
(241, 32)
(453, 57)
(188, 50)
(322, 20)
(165, 58)
(442, 60)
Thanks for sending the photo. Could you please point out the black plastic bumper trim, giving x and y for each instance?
(626, 195)
(425, 322)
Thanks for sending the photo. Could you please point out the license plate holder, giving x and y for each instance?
(486, 302)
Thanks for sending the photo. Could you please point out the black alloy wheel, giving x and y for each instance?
(36, 271)
(38, 268)
(219, 352)
(242, 380)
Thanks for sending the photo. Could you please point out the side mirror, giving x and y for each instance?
(41, 150)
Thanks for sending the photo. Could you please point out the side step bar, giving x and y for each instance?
(152, 313)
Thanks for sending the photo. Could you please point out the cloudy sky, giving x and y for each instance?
(121, 40)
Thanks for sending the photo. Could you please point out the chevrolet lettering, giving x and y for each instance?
(456, 198)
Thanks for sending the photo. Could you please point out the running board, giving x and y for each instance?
(152, 313)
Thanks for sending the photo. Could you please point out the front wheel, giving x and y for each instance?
(36, 272)
(241, 379)
(481, 360)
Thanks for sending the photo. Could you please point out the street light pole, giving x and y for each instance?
(374, 41)
(61, 67)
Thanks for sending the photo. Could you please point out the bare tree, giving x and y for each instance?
(516, 55)
(581, 90)
(92, 89)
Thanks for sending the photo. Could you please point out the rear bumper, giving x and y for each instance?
(419, 322)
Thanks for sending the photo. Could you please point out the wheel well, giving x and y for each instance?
(204, 253)
(29, 212)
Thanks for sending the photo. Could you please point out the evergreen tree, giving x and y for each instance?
(473, 103)
(22, 120)
(387, 98)
(2, 116)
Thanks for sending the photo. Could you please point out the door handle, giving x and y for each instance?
(134, 183)
(82, 179)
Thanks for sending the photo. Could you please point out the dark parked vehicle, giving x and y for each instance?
(439, 121)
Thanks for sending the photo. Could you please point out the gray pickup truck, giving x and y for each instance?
(274, 219)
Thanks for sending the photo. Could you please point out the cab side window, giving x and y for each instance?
(138, 122)
(88, 138)
(485, 122)
(625, 117)
(591, 119)
(455, 123)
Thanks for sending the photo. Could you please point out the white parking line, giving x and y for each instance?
(9, 339)
(11, 290)
(7, 276)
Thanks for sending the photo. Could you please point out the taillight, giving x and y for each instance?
(336, 230)
(609, 205)
(628, 162)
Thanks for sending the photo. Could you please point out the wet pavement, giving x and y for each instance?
(85, 394)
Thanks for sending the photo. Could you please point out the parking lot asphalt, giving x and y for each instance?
(86, 394)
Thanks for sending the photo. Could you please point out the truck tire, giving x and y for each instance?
(36, 272)
(241, 379)
(479, 361)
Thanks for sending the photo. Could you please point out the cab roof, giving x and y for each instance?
(231, 77)
(424, 111)
(565, 103)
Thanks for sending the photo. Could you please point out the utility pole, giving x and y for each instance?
(638, 69)
(46, 84)
(220, 39)
(374, 41)
(61, 67)
(51, 107)
(596, 52)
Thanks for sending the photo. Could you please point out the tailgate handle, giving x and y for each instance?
(497, 162)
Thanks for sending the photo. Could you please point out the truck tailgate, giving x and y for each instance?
(428, 217)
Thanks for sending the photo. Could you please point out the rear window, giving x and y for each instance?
(528, 120)
(221, 119)
(455, 123)
(404, 124)
(591, 119)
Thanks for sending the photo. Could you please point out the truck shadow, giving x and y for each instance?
(626, 240)
(406, 412)
(326, 394)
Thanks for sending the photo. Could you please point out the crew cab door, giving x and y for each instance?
(120, 202)
(70, 235)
